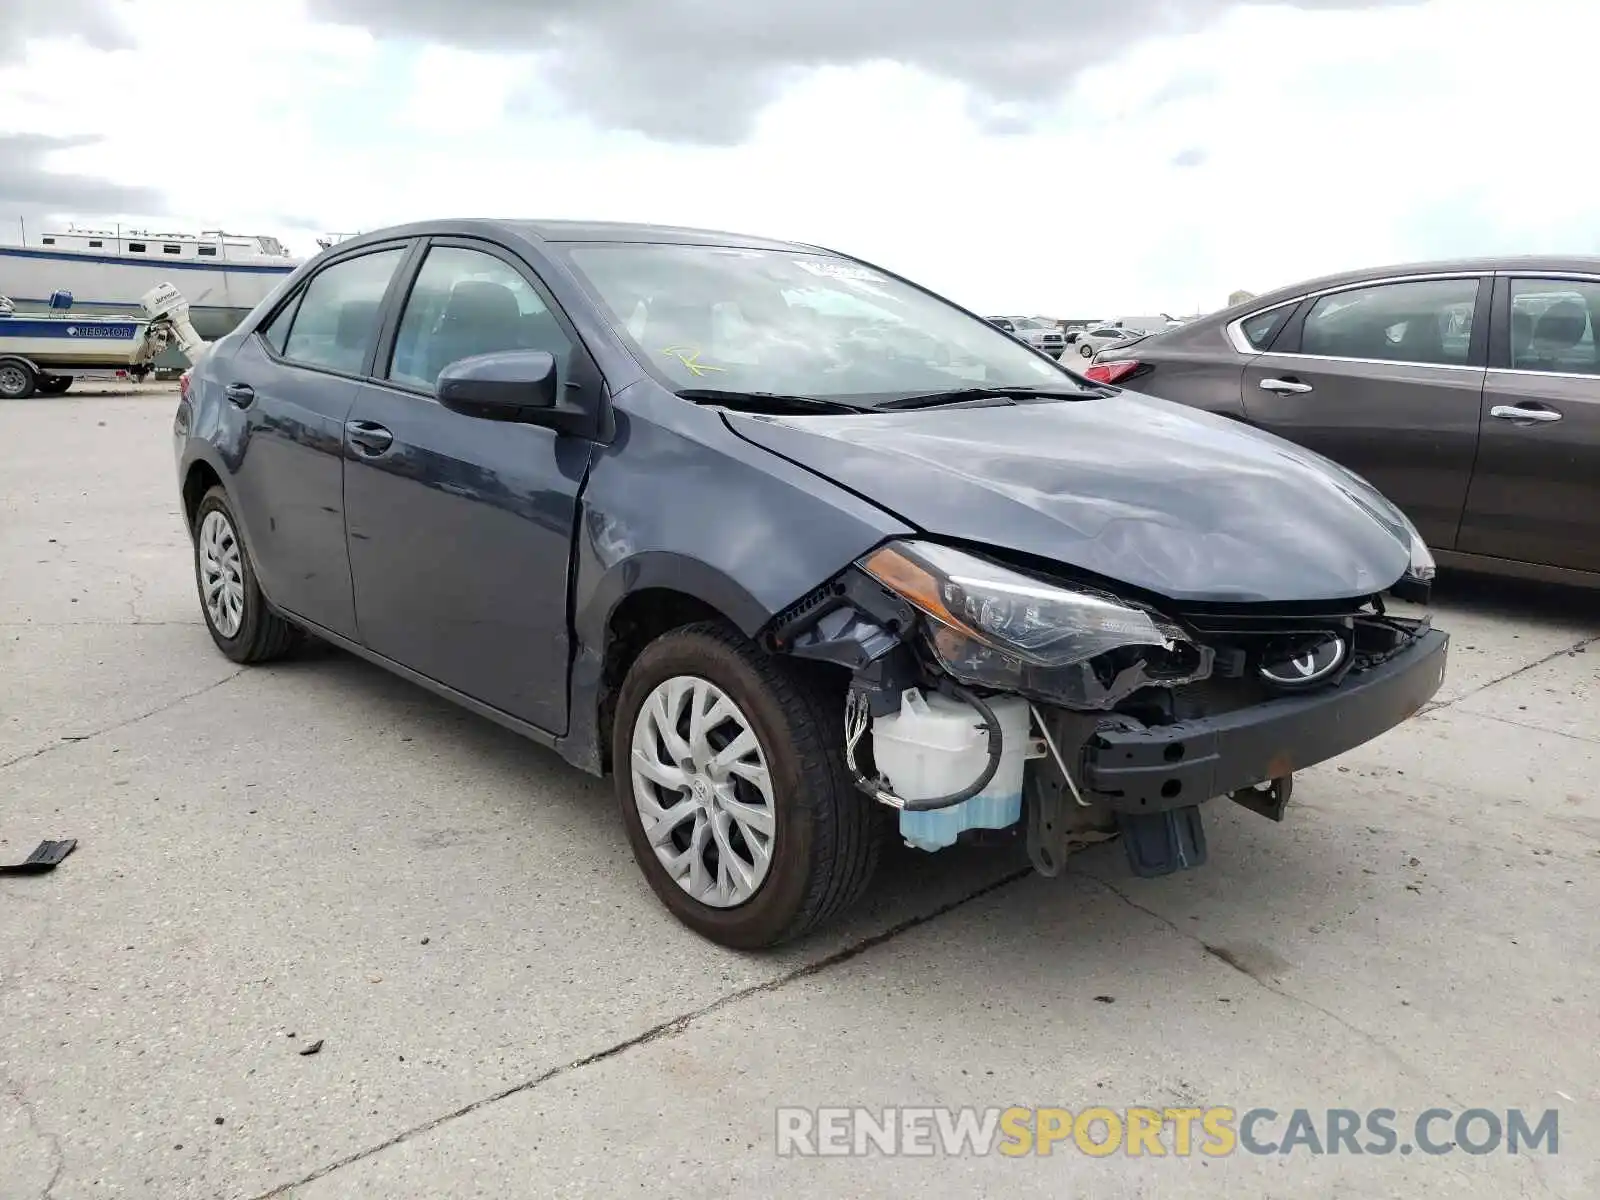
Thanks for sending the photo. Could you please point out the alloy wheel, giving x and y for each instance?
(221, 573)
(703, 791)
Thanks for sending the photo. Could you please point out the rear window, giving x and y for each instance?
(1260, 329)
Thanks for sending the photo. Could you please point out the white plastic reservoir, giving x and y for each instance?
(936, 745)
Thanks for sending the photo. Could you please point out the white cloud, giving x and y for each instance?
(1277, 144)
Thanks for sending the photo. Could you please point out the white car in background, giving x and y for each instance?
(1096, 338)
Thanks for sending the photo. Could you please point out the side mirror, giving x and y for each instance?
(500, 386)
(513, 385)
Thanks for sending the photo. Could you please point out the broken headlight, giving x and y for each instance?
(1422, 567)
(997, 628)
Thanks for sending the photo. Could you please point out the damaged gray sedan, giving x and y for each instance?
(801, 554)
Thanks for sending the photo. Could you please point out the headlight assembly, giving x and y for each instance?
(998, 628)
(1422, 567)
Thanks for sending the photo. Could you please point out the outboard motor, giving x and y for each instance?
(166, 304)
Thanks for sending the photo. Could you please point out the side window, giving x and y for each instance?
(1553, 325)
(466, 302)
(276, 331)
(338, 313)
(1260, 329)
(1429, 321)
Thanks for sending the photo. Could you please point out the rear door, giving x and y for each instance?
(1384, 378)
(461, 529)
(1535, 494)
(292, 382)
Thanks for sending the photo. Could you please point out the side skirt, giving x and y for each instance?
(1512, 569)
(532, 732)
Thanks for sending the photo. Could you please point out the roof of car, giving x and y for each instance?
(1528, 262)
(576, 231)
(624, 231)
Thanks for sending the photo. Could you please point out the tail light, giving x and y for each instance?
(183, 386)
(1112, 372)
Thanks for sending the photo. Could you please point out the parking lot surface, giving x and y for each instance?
(319, 852)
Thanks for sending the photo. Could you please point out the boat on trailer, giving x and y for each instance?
(45, 352)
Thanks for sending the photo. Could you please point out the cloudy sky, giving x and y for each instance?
(1068, 157)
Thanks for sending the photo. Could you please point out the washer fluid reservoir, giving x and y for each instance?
(936, 745)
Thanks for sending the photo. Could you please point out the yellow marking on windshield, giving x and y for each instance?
(689, 356)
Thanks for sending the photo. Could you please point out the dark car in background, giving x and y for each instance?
(1468, 392)
(792, 548)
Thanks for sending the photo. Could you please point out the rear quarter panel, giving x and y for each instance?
(1193, 366)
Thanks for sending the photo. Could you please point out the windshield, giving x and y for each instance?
(787, 322)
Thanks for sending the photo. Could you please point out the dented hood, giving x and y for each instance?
(1167, 499)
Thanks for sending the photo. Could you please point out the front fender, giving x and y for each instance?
(670, 570)
(680, 502)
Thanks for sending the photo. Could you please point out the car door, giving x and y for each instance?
(1384, 378)
(293, 382)
(1535, 493)
(461, 528)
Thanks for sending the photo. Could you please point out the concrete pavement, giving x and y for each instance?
(319, 851)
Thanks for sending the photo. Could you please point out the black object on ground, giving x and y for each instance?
(46, 858)
(312, 1049)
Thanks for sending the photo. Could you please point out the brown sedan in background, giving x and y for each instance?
(1468, 392)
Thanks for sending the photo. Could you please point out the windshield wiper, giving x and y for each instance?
(766, 402)
(962, 395)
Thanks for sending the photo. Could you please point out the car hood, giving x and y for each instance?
(1163, 498)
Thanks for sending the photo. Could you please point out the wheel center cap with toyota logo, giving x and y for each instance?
(1308, 665)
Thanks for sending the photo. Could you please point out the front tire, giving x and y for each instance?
(1086, 350)
(729, 773)
(235, 612)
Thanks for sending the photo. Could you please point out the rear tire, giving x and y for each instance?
(17, 380)
(235, 612)
(824, 835)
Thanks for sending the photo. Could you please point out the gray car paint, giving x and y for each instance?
(667, 497)
(1124, 487)
(490, 516)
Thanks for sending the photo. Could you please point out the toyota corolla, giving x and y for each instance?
(799, 553)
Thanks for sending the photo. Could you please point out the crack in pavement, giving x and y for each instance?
(1223, 956)
(77, 738)
(1437, 705)
(1576, 737)
(51, 1141)
(93, 624)
(666, 1029)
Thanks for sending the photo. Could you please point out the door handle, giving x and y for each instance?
(240, 395)
(1285, 387)
(368, 437)
(1514, 412)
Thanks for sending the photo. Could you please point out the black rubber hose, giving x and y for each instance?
(996, 748)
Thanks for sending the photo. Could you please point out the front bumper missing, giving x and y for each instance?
(1159, 769)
